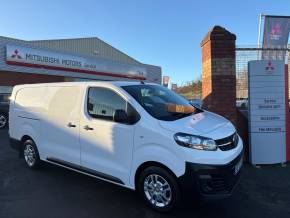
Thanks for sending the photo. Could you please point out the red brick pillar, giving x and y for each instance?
(219, 73)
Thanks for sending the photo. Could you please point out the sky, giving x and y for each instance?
(165, 33)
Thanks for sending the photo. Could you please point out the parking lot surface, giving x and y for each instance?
(56, 192)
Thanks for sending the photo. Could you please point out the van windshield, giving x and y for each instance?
(160, 102)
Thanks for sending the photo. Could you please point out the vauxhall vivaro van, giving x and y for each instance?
(137, 135)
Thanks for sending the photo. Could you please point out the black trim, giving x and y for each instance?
(228, 143)
(277, 16)
(85, 170)
(210, 181)
(29, 118)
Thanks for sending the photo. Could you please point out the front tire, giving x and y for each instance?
(159, 189)
(30, 154)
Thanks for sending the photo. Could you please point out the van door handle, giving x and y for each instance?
(86, 127)
(70, 125)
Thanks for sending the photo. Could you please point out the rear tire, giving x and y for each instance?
(30, 154)
(3, 120)
(159, 189)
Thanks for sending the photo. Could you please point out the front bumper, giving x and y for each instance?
(211, 181)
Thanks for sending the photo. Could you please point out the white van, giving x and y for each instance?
(137, 135)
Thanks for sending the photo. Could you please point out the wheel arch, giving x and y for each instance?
(147, 164)
(27, 131)
(23, 139)
(156, 155)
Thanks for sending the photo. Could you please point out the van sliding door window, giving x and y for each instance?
(103, 102)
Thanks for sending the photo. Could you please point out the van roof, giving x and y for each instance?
(115, 83)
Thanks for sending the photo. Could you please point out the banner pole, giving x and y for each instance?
(260, 25)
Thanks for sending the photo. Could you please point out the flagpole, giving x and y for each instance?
(259, 33)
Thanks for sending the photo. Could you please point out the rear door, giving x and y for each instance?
(106, 146)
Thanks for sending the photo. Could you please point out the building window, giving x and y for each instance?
(6, 89)
(5, 92)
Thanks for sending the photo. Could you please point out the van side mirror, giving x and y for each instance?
(90, 107)
(120, 116)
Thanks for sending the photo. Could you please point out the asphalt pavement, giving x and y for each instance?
(56, 192)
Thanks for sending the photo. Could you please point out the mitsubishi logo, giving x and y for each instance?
(276, 29)
(16, 54)
(269, 67)
(276, 32)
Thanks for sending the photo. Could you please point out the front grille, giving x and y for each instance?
(219, 184)
(228, 143)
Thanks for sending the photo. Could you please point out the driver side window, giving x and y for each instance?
(103, 102)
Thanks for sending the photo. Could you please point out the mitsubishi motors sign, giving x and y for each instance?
(268, 112)
(38, 58)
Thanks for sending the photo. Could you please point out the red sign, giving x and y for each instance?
(287, 112)
(173, 86)
(165, 81)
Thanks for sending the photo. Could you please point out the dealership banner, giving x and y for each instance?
(276, 34)
(44, 59)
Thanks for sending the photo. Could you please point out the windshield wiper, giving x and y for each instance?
(181, 115)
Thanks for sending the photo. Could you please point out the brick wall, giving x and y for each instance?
(218, 73)
(13, 78)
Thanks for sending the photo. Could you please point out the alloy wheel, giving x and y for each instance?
(29, 154)
(157, 190)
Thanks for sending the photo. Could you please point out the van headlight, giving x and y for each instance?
(195, 142)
